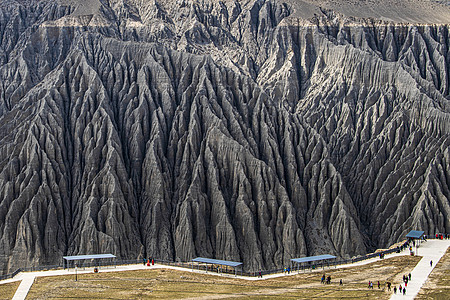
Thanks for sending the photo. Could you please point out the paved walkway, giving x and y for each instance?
(431, 250)
(24, 288)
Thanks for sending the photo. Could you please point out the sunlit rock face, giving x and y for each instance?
(253, 131)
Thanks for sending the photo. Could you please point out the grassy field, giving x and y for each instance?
(438, 283)
(7, 290)
(172, 284)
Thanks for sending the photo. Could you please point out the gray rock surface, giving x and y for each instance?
(255, 131)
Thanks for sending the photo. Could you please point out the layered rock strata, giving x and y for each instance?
(254, 131)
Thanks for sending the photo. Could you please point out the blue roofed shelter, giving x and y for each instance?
(75, 258)
(218, 262)
(415, 234)
(309, 259)
(416, 237)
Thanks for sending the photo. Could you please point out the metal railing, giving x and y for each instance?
(402, 247)
(11, 275)
(188, 265)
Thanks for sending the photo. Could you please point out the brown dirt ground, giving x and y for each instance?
(172, 284)
(8, 290)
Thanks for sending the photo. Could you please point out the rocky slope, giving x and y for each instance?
(255, 131)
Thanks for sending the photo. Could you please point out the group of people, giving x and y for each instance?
(287, 270)
(442, 236)
(400, 289)
(371, 284)
(406, 245)
(406, 278)
(147, 261)
(327, 279)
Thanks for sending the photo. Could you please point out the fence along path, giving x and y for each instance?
(4, 278)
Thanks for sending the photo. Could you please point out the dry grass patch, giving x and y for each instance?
(155, 284)
(8, 290)
(355, 281)
(173, 284)
(438, 284)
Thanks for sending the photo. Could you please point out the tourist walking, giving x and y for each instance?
(404, 291)
(431, 263)
(409, 276)
(395, 290)
(340, 282)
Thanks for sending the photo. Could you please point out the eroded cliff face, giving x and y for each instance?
(220, 129)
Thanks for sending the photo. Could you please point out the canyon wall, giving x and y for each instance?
(254, 131)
